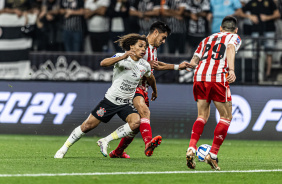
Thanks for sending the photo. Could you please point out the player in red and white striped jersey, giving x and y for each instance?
(214, 70)
(159, 31)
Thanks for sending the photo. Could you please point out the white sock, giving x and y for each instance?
(191, 148)
(213, 156)
(74, 136)
(120, 132)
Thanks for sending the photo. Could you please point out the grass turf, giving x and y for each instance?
(34, 155)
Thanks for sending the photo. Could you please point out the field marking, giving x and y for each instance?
(136, 173)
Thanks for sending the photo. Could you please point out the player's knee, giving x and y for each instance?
(134, 122)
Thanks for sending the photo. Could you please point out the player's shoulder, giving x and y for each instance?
(234, 36)
(144, 62)
(118, 54)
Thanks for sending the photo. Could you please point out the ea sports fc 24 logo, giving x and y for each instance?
(28, 108)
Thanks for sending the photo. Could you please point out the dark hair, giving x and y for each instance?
(161, 27)
(229, 23)
(130, 39)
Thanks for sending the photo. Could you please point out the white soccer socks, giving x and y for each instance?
(120, 132)
(74, 136)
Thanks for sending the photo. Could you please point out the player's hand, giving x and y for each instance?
(231, 76)
(183, 65)
(190, 66)
(129, 53)
(154, 96)
(153, 63)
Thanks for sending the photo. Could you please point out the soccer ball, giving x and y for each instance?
(202, 152)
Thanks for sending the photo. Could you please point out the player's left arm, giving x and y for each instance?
(166, 66)
(230, 56)
(152, 82)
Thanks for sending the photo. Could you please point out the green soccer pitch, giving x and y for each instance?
(29, 160)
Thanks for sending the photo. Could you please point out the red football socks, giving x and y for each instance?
(220, 133)
(145, 130)
(124, 142)
(197, 131)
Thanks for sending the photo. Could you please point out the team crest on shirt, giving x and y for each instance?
(101, 112)
(142, 72)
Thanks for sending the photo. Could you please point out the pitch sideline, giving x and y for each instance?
(136, 173)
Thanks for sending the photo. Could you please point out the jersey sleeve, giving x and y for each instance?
(120, 63)
(148, 72)
(199, 50)
(117, 55)
(236, 41)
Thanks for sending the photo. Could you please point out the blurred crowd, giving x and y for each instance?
(78, 25)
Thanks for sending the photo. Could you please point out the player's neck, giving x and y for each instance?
(224, 31)
(134, 58)
(151, 40)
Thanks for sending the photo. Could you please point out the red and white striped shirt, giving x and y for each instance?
(212, 53)
(151, 55)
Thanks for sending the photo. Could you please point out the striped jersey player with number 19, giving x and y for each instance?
(214, 70)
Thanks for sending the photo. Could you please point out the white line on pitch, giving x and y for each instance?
(137, 173)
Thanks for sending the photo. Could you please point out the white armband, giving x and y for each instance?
(176, 67)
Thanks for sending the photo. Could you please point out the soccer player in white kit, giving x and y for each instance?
(214, 70)
(159, 31)
(129, 68)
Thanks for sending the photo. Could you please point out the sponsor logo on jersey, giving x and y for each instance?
(101, 112)
(125, 101)
(134, 75)
(142, 72)
(237, 41)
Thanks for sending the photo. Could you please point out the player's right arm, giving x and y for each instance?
(152, 82)
(111, 61)
(194, 62)
(166, 66)
(197, 56)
